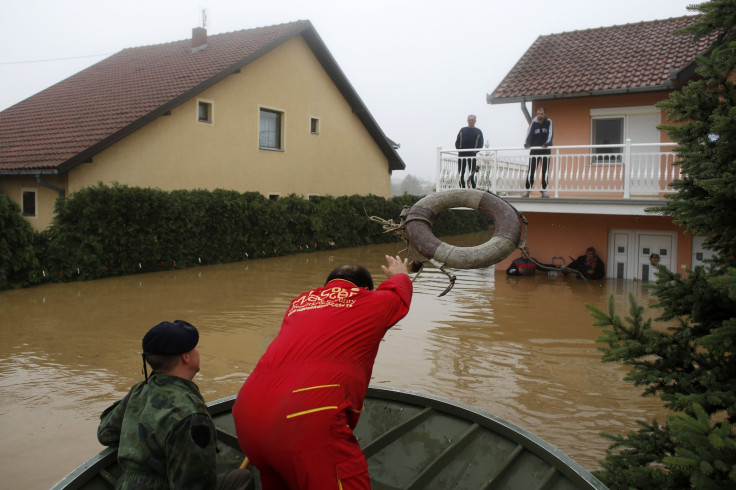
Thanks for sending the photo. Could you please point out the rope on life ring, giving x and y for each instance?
(506, 237)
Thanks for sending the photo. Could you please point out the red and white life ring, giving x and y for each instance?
(505, 239)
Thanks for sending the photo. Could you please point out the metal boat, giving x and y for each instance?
(412, 441)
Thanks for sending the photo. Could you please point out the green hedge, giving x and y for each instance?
(19, 264)
(105, 231)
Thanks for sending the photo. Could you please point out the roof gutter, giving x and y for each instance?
(668, 86)
(29, 172)
(60, 190)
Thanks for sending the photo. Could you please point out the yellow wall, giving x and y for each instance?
(13, 187)
(179, 152)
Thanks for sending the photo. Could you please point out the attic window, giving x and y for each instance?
(29, 203)
(270, 133)
(204, 111)
(314, 125)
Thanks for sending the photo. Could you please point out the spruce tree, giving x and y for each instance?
(687, 356)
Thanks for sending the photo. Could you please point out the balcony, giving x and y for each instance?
(638, 174)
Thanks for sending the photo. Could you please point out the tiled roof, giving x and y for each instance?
(636, 57)
(71, 121)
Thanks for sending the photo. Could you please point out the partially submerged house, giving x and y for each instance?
(265, 110)
(609, 162)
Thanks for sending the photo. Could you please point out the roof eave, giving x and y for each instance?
(665, 87)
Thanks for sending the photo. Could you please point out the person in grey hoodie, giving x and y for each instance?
(538, 136)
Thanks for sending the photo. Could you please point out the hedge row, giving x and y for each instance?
(104, 231)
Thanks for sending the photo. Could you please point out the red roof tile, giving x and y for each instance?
(626, 58)
(71, 121)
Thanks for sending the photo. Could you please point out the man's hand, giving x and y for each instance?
(395, 266)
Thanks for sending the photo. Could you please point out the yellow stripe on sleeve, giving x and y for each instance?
(315, 388)
(297, 414)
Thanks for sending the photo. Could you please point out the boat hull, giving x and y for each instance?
(411, 441)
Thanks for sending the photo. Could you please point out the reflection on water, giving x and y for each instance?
(521, 348)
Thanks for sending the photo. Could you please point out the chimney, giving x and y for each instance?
(199, 39)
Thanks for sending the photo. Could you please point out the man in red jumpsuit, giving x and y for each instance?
(295, 413)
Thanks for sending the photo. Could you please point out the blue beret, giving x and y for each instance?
(170, 338)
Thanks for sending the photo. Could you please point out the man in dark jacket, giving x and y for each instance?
(468, 137)
(164, 434)
(538, 136)
(589, 265)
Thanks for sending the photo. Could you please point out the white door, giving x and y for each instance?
(700, 253)
(629, 251)
(650, 243)
(617, 266)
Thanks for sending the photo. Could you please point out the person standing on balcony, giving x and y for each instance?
(539, 138)
(468, 137)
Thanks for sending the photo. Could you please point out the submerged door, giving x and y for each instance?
(654, 246)
(700, 254)
(629, 253)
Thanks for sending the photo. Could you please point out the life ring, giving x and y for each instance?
(505, 239)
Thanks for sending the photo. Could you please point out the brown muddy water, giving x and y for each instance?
(521, 348)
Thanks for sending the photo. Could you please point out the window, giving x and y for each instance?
(269, 136)
(273, 197)
(616, 125)
(314, 125)
(204, 111)
(29, 203)
(608, 131)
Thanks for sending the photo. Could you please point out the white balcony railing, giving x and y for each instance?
(584, 171)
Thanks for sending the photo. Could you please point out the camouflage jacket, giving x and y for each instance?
(164, 434)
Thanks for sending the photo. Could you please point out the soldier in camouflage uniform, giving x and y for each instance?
(164, 434)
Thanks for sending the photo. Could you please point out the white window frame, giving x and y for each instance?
(23, 191)
(210, 112)
(282, 135)
(624, 113)
(314, 122)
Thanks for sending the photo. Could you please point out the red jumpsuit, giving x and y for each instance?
(295, 413)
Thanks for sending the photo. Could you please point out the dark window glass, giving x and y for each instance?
(29, 203)
(205, 112)
(608, 131)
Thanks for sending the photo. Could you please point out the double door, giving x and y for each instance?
(630, 251)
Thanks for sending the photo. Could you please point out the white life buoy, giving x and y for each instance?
(505, 239)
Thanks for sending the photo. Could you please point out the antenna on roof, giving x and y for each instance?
(204, 18)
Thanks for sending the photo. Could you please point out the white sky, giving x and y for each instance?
(420, 66)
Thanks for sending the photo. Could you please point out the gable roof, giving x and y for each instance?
(71, 121)
(630, 58)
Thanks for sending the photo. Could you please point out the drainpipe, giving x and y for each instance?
(60, 190)
(526, 112)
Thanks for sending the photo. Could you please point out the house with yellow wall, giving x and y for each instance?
(265, 110)
(609, 161)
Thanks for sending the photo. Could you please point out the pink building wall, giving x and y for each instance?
(565, 235)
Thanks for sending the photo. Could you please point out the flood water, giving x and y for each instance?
(521, 348)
